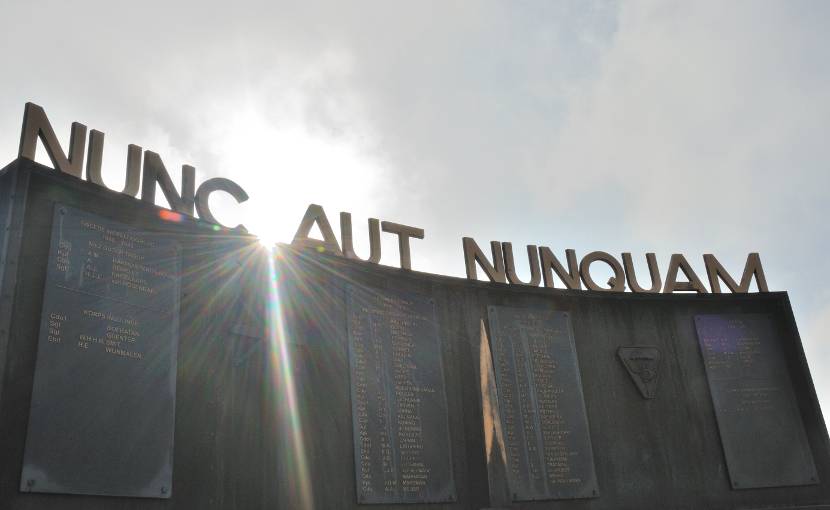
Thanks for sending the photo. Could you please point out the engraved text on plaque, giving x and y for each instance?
(760, 426)
(541, 406)
(103, 400)
(399, 406)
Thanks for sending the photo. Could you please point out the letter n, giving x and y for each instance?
(472, 253)
(36, 125)
(155, 172)
(551, 264)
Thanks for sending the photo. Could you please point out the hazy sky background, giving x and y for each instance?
(686, 127)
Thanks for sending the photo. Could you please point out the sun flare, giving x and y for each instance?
(284, 166)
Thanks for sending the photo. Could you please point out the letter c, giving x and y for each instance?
(218, 184)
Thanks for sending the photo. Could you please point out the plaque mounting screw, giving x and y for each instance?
(62, 211)
(30, 483)
(164, 490)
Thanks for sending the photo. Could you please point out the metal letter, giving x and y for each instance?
(753, 267)
(154, 171)
(218, 184)
(678, 261)
(473, 254)
(550, 264)
(36, 125)
(315, 214)
(348, 243)
(654, 271)
(510, 265)
(615, 284)
(93, 164)
(404, 232)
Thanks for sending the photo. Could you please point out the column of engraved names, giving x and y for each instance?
(57, 318)
(383, 407)
(361, 412)
(129, 269)
(507, 402)
(526, 401)
(121, 249)
(372, 407)
(397, 400)
(414, 473)
(554, 427)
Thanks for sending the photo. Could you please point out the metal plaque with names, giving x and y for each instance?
(761, 430)
(103, 401)
(399, 405)
(543, 418)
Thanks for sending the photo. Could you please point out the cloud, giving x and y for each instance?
(716, 110)
(633, 126)
(439, 103)
(705, 130)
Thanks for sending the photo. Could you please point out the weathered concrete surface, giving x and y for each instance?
(234, 446)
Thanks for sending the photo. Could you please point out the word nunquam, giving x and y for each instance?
(501, 268)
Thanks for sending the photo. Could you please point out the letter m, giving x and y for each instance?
(753, 267)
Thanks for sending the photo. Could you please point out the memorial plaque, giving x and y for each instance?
(103, 400)
(542, 410)
(761, 430)
(399, 406)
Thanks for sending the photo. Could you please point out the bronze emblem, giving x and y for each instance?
(643, 365)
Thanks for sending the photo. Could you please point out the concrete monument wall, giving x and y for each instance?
(360, 386)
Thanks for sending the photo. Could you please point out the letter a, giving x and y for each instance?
(315, 214)
(679, 262)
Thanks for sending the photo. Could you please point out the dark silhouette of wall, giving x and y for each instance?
(235, 442)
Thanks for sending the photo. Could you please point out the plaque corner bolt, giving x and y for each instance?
(164, 490)
(30, 482)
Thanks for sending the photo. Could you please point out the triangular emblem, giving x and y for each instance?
(643, 365)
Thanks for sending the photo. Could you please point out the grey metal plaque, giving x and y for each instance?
(542, 411)
(760, 425)
(399, 406)
(103, 401)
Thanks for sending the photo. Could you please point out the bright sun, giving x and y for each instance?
(284, 167)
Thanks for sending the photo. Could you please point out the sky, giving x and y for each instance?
(636, 126)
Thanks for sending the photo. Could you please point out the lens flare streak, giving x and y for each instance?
(283, 376)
